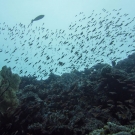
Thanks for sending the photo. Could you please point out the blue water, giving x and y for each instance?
(72, 35)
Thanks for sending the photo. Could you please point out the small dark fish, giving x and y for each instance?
(37, 18)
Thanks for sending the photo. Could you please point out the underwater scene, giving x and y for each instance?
(67, 67)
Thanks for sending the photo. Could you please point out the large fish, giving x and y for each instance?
(36, 19)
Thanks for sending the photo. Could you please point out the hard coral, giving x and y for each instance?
(9, 84)
(106, 70)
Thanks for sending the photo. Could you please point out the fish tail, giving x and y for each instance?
(31, 21)
(29, 24)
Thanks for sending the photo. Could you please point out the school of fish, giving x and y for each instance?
(98, 38)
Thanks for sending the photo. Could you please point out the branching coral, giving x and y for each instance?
(113, 129)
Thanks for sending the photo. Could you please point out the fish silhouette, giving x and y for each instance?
(37, 18)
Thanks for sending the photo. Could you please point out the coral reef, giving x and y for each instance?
(96, 101)
(9, 84)
(113, 129)
(106, 70)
